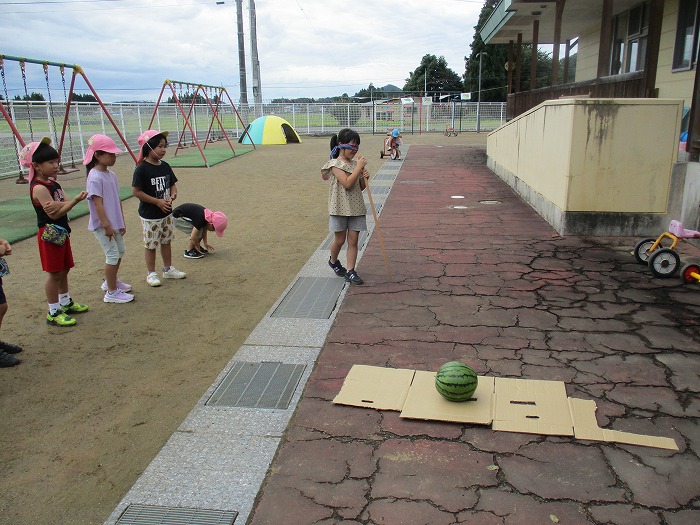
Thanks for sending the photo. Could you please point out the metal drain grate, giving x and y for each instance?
(154, 515)
(258, 385)
(379, 190)
(310, 298)
(384, 176)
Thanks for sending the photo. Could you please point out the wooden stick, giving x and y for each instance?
(379, 232)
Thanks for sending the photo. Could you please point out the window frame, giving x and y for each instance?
(679, 44)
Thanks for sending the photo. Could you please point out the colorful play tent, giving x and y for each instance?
(270, 129)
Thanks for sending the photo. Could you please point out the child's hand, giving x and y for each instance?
(361, 161)
(81, 196)
(5, 248)
(164, 205)
(109, 232)
(365, 174)
(122, 231)
(209, 247)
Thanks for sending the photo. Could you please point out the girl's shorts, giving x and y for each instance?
(54, 258)
(341, 223)
(157, 232)
(114, 248)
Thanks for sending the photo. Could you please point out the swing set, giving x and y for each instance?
(213, 96)
(67, 98)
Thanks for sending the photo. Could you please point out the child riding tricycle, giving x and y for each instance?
(391, 145)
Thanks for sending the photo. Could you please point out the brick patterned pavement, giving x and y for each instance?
(494, 285)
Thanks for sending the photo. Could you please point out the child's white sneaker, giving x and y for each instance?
(174, 273)
(118, 296)
(152, 279)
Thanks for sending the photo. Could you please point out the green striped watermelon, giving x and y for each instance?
(456, 381)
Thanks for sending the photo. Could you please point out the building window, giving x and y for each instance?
(685, 53)
(629, 47)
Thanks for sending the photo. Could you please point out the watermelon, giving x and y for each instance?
(456, 381)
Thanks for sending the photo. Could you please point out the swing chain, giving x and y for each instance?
(20, 178)
(61, 169)
(65, 97)
(26, 99)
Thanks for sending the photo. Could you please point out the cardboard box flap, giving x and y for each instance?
(424, 402)
(586, 427)
(375, 387)
(532, 406)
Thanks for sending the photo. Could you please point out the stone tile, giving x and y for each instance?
(446, 474)
(624, 515)
(517, 509)
(562, 471)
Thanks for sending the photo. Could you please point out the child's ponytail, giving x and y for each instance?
(334, 146)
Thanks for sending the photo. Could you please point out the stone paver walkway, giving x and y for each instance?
(493, 285)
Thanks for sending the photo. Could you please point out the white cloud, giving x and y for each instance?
(311, 48)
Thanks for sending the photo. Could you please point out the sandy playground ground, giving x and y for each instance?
(90, 406)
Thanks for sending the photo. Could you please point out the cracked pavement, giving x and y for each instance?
(495, 286)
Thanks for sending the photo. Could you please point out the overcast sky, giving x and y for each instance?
(307, 48)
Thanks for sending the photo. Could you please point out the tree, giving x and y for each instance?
(494, 77)
(440, 78)
(76, 97)
(33, 97)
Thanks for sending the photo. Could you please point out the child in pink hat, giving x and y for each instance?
(196, 220)
(106, 213)
(53, 238)
(154, 184)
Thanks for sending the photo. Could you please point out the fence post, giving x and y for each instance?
(121, 113)
(80, 127)
(323, 118)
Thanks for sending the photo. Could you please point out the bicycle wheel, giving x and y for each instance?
(664, 262)
(641, 250)
(687, 273)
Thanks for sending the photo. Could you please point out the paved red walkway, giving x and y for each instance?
(493, 285)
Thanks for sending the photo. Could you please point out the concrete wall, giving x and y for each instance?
(593, 166)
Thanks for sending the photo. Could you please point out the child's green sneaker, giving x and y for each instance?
(60, 318)
(74, 308)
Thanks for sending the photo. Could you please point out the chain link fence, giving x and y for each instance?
(35, 119)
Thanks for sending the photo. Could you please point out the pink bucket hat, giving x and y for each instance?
(145, 137)
(25, 155)
(99, 143)
(218, 219)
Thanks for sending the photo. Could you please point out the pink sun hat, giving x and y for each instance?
(218, 219)
(145, 137)
(27, 152)
(99, 143)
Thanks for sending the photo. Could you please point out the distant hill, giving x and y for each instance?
(390, 88)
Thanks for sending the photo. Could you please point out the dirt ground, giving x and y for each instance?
(90, 406)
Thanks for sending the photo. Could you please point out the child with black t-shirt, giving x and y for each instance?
(154, 184)
(196, 220)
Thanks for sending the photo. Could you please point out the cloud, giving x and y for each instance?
(311, 48)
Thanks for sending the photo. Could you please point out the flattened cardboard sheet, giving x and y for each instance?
(512, 405)
(533, 407)
(424, 402)
(586, 427)
(375, 387)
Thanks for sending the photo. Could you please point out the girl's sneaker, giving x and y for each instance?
(352, 277)
(193, 254)
(74, 308)
(60, 318)
(124, 287)
(118, 297)
(337, 268)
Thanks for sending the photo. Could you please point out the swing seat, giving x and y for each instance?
(676, 228)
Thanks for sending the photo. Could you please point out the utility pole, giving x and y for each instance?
(241, 53)
(257, 88)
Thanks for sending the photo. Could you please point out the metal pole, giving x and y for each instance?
(478, 102)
